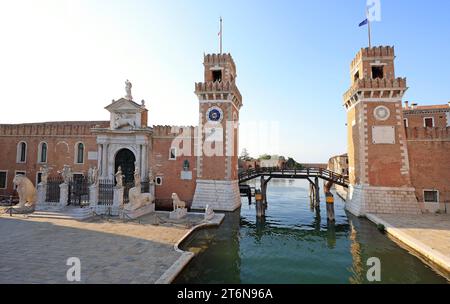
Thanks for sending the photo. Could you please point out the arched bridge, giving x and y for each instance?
(306, 173)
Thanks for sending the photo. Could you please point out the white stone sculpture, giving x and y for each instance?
(27, 192)
(128, 87)
(93, 176)
(44, 174)
(137, 177)
(66, 174)
(137, 199)
(122, 120)
(119, 178)
(177, 203)
(151, 178)
(179, 208)
(209, 213)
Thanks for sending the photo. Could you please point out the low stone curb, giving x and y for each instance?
(170, 274)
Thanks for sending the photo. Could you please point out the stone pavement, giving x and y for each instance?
(427, 234)
(34, 250)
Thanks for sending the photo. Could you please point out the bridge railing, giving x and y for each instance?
(309, 172)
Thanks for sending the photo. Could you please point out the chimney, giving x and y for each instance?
(406, 104)
(413, 106)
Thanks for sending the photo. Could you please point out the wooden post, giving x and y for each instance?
(317, 191)
(260, 209)
(330, 206)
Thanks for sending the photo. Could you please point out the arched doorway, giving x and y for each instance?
(125, 159)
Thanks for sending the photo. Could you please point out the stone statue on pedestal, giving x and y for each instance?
(44, 174)
(66, 174)
(128, 87)
(137, 176)
(119, 178)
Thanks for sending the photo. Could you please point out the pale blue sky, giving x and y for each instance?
(66, 60)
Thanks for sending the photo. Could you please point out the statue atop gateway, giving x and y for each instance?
(128, 87)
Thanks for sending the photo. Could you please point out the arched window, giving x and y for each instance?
(22, 152)
(42, 152)
(79, 153)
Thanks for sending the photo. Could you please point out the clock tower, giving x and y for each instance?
(217, 138)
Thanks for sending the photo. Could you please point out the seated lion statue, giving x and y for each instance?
(26, 191)
(137, 199)
(177, 203)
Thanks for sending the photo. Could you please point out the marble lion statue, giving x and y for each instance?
(26, 191)
(177, 203)
(138, 199)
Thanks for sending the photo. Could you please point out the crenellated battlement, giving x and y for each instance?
(219, 59)
(371, 53)
(63, 128)
(376, 88)
(428, 134)
(223, 90)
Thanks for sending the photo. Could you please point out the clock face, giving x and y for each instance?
(382, 113)
(214, 114)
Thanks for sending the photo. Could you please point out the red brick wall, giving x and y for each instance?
(170, 171)
(61, 139)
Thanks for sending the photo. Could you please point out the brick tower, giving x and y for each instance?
(377, 148)
(217, 145)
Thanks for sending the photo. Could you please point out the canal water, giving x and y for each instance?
(293, 244)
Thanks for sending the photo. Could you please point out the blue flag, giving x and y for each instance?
(364, 22)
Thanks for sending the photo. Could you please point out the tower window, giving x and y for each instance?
(428, 122)
(173, 154)
(217, 75)
(377, 72)
(431, 196)
(356, 77)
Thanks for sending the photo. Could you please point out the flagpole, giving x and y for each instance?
(368, 23)
(220, 42)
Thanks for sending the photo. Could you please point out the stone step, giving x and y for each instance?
(73, 214)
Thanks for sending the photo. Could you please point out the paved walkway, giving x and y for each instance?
(34, 250)
(427, 234)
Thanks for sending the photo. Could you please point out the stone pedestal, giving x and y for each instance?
(63, 195)
(133, 214)
(363, 199)
(41, 193)
(178, 214)
(93, 196)
(219, 195)
(118, 198)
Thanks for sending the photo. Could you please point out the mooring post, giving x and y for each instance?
(264, 189)
(317, 191)
(260, 209)
(330, 206)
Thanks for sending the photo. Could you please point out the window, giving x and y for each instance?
(158, 181)
(428, 122)
(22, 152)
(377, 72)
(42, 152)
(405, 122)
(356, 77)
(173, 154)
(3, 179)
(79, 153)
(217, 75)
(38, 178)
(431, 196)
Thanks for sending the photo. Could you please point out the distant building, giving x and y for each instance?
(273, 162)
(339, 164)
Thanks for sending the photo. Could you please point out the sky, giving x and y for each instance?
(67, 60)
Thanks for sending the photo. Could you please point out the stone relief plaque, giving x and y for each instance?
(213, 134)
(186, 175)
(92, 155)
(383, 135)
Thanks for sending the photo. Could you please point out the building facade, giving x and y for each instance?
(397, 156)
(193, 162)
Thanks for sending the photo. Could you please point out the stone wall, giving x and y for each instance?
(220, 195)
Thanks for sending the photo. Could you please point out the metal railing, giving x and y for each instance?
(53, 192)
(105, 191)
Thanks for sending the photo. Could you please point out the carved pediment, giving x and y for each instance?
(124, 106)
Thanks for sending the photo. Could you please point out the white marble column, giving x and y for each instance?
(99, 159)
(104, 161)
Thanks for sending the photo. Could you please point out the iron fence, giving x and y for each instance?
(105, 191)
(126, 189)
(52, 193)
(78, 191)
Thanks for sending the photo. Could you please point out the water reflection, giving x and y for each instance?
(294, 244)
